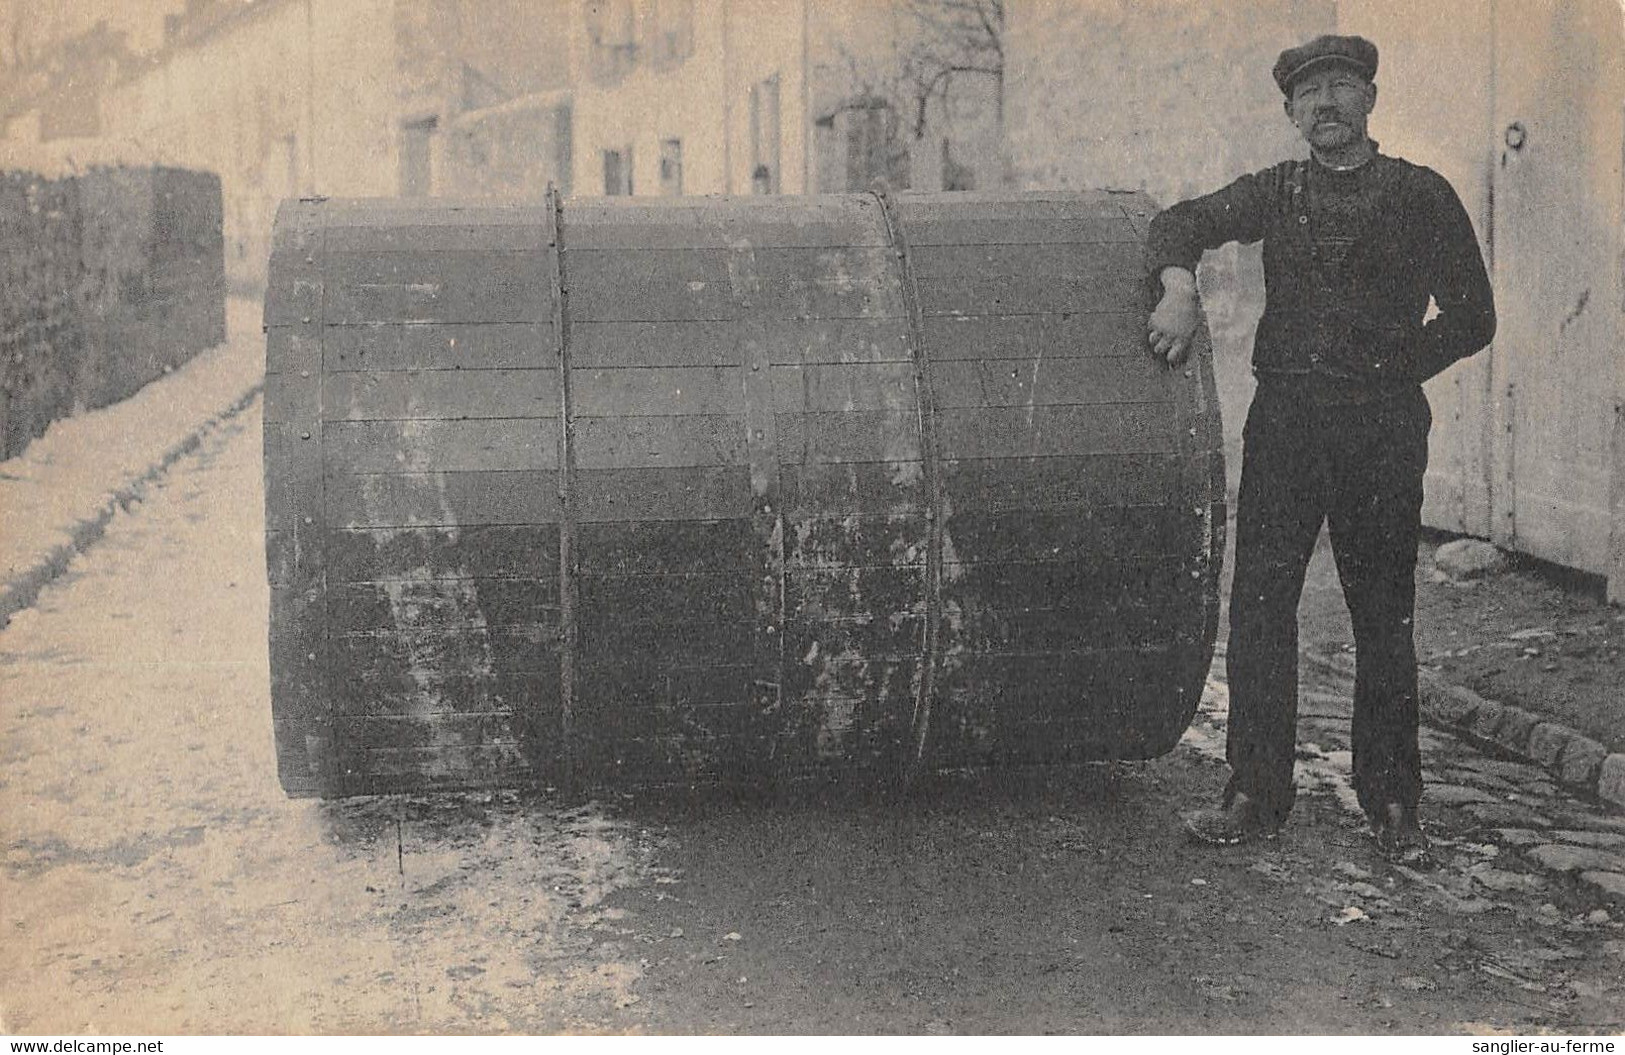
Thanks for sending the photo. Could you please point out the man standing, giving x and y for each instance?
(1356, 244)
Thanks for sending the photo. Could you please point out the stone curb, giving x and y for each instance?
(21, 589)
(1574, 760)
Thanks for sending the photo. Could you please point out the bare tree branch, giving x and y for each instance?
(948, 38)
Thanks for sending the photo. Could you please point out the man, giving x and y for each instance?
(1356, 243)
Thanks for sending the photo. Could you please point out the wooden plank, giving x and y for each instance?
(701, 232)
(279, 443)
(674, 548)
(980, 333)
(895, 540)
(704, 730)
(596, 345)
(658, 391)
(854, 658)
(723, 223)
(298, 652)
(279, 557)
(1031, 687)
(428, 346)
(436, 287)
(1083, 481)
(291, 351)
(835, 340)
(663, 494)
(405, 691)
(764, 593)
(1039, 630)
(711, 737)
(1117, 703)
(491, 445)
(297, 632)
(850, 658)
(299, 762)
(454, 212)
(813, 593)
(1002, 205)
(439, 237)
(651, 442)
(705, 727)
(295, 301)
(1093, 534)
(843, 387)
(667, 599)
(441, 604)
(441, 395)
(657, 285)
(674, 760)
(290, 397)
(382, 771)
(1081, 233)
(1074, 586)
(631, 681)
(388, 554)
(293, 290)
(379, 500)
(1084, 289)
(973, 383)
(981, 433)
(621, 344)
(1015, 432)
(1050, 382)
(437, 732)
(856, 436)
(841, 488)
(506, 649)
(695, 644)
(1100, 264)
(1098, 738)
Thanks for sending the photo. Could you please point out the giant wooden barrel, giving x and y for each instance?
(727, 490)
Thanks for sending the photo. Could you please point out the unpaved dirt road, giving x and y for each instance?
(156, 880)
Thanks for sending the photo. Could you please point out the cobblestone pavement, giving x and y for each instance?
(156, 880)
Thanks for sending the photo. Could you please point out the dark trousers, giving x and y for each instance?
(1359, 469)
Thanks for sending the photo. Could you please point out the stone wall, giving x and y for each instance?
(111, 279)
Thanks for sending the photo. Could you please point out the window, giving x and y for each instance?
(671, 167)
(955, 176)
(417, 162)
(875, 147)
(764, 136)
(618, 171)
(611, 38)
(668, 31)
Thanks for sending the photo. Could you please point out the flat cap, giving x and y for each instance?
(1356, 52)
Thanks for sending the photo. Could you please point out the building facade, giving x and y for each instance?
(774, 96)
(288, 98)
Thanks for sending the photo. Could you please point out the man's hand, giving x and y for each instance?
(1173, 323)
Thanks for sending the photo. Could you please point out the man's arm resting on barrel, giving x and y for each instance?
(1173, 323)
(1179, 236)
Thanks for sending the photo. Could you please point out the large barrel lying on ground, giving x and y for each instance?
(727, 490)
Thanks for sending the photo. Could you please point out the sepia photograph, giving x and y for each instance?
(790, 518)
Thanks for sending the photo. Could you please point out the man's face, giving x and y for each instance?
(1330, 106)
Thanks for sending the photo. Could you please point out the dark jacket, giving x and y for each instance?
(1350, 261)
